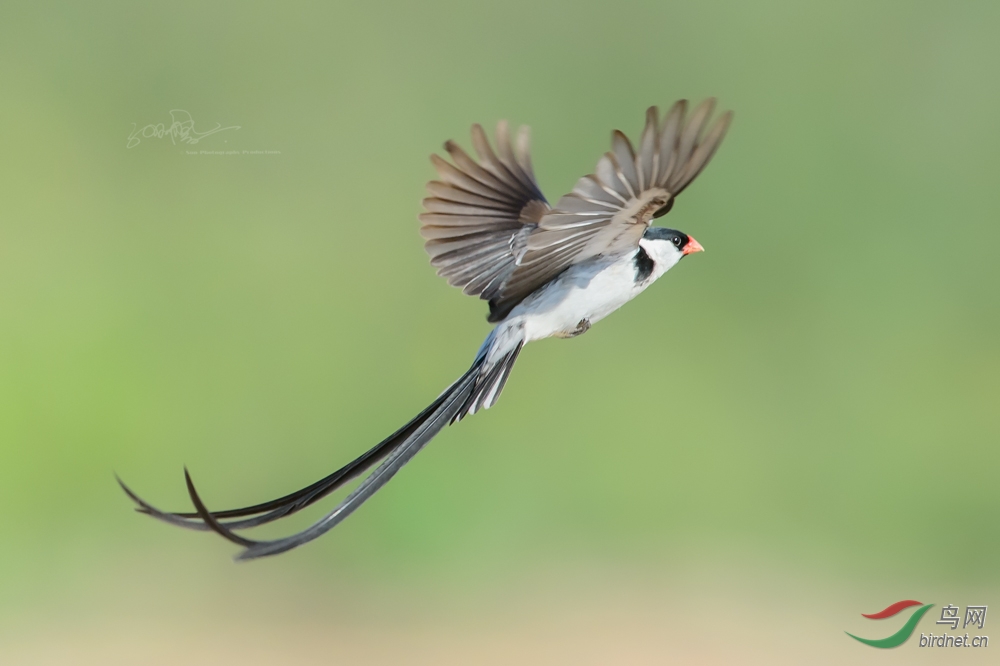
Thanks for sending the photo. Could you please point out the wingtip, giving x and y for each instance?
(652, 124)
(618, 136)
(707, 106)
(477, 130)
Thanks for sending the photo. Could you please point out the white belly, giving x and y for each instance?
(582, 296)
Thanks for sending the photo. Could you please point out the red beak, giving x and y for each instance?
(692, 246)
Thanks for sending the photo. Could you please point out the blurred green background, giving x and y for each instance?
(798, 426)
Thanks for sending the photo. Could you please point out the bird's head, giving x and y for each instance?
(668, 246)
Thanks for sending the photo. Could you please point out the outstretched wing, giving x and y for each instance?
(490, 231)
(608, 211)
(480, 212)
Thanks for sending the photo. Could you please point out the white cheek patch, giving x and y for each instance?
(663, 253)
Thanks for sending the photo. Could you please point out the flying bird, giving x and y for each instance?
(545, 272)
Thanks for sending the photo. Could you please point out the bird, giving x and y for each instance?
(545, 271)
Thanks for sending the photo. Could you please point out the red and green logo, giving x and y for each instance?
(903, 634)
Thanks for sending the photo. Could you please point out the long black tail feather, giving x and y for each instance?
(479, 386)
(293, 502)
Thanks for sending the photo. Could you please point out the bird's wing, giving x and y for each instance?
(608, 211)
(481, 211)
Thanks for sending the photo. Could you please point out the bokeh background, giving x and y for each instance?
(798, 426)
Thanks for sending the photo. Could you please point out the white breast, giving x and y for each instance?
(585, 293)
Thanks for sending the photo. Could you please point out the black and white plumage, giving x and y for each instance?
(546, 272)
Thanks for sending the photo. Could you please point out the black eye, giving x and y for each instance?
(677, 241)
